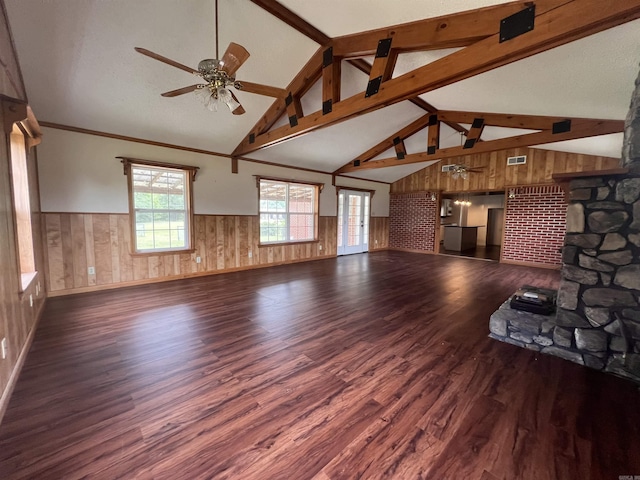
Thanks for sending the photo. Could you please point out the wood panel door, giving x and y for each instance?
(353, 222)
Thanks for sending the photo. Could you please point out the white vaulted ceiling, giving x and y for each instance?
(80, 70)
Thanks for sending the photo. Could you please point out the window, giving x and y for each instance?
(160, 205)
(22, 206)
(288, 211)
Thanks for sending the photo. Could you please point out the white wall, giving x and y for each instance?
(80, 173)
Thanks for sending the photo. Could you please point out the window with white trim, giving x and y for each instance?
(288, 211)
(160, 206)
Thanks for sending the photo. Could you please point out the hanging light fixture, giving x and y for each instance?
(463, 203)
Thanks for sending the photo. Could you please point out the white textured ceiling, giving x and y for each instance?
(80, 69)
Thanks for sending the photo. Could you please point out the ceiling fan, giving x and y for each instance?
(218, 76)
(462, 171)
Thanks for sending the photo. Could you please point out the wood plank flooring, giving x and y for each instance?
(367, 366)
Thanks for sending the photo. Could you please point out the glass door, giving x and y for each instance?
(353, 222)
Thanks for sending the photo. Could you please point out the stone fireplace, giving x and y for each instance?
(597, 321)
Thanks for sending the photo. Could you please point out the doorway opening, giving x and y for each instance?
(353, 222)
(471, 225)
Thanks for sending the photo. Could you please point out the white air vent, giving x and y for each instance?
(448, 168)
(521, 160)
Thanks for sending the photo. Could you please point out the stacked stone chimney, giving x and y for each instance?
(599, 295)
(597, 322)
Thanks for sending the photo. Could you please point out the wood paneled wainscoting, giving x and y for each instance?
(497, 175)
(378, 233)
(76, 241)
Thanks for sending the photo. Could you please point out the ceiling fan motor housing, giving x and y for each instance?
(211, 71)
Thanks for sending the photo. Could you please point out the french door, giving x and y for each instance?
(353, 222)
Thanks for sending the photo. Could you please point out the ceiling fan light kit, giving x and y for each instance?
(459, 171)
(462, 171)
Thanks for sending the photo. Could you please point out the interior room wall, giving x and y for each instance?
(85, 209)
(414, 221)
(496, 175)
(477, 213)
(535, 224)
(80, 173)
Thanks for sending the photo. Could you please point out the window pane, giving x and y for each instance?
(161, 208)
(161, 238)
(301, 227)
(273, 227)
(142, 200)
(287, 212)
(160, 199)
(176, 201)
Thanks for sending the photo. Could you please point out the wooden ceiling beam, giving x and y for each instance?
(450, 31)
(294, 109)
(401, 150)
(294, 21)
(578, 128)
(331, 80)
(301, 83)
(530, 122)
(383, 63)
(365, 67)
(388, 143)
(433, 134)
(557, 22)
(309, 74)
(474, 133)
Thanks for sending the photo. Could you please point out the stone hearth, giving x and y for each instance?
(597, 322)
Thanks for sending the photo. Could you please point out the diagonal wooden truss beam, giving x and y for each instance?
(566, 129)
(457, 30)
(401, 150)
(311, 72)
(365, 67)
(301, 83)
(529, 122)
(331, 80)
(557, 22)
(388, 142)
(287, 16)
(451, 118)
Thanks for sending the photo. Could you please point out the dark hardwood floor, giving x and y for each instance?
(365, 366)
(484, 252)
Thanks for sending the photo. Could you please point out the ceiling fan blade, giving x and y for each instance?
(239, 109)
(166, 60)
(180, 91)
(233, 58)
(261, 89)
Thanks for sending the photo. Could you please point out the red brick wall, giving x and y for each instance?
(535, 224)
(412, 221)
